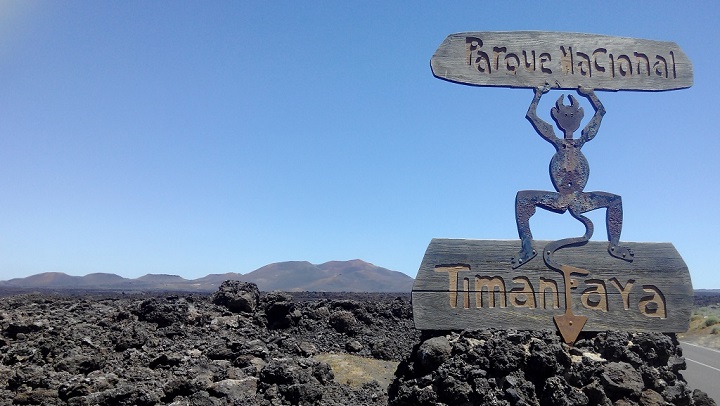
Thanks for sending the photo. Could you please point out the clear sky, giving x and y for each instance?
(208, 137)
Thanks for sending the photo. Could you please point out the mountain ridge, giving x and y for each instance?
(333, 276)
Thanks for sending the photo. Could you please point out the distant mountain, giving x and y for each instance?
(333, 276)
(218, 278)
(58, 279)
(101, 279)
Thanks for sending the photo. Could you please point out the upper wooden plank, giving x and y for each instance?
(529, 59)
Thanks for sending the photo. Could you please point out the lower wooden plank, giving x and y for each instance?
(452, 288)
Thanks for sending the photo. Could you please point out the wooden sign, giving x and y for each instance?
(562, 60)
(470, 284)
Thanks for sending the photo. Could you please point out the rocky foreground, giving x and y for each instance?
(238, 347)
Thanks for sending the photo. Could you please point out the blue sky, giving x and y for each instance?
(209, 137)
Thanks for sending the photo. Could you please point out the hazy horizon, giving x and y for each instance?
(200, 275)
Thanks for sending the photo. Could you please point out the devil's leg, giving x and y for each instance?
(525, 203)
(613, 220)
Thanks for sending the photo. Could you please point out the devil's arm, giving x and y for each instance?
(541, 126)
(593, 125)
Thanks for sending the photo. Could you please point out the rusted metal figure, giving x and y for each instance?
(569, 172)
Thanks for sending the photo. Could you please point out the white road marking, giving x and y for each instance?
(705, 365)
(700, 346)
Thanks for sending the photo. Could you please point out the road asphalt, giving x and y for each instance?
(703, 369)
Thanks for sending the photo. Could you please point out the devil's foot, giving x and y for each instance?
(524, 255)
(621, 252)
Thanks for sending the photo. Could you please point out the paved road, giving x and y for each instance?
(703, 369)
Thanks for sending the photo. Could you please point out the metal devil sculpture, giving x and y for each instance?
(569, 172)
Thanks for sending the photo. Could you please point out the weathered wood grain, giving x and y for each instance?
(652, 293)
(562, 60)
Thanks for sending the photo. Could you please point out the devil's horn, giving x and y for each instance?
(574, 102)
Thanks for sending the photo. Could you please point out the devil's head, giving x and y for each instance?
(568, 118)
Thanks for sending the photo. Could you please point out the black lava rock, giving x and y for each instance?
(535, 368)
(240, 347)
(237, 296)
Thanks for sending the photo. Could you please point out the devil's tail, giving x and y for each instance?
(569, 324)
(568, 242)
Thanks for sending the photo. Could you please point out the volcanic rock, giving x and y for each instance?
(620, 378)
(240, 347)
(237, 296)
(509, 367)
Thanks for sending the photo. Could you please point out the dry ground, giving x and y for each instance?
(704, 327)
